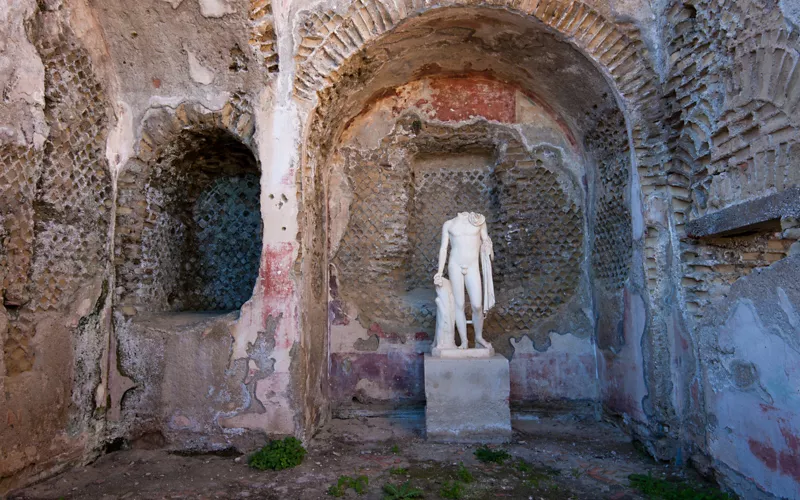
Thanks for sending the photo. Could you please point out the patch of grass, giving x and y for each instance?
(675, 490)
(523, 466)
(486, 454)
(576, 473)
(396, 449)
(452, 489)
(398, 471)
(464, 474)
(539, 477)
(359, 484)
(401, 492)
(278, 455)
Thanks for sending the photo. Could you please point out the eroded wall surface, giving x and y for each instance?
(56, 191)
(407, 165)
(733, 139)
(660, 117)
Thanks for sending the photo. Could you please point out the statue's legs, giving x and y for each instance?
(457, 281)
(473, 282)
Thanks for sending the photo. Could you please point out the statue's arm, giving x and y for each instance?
(486, 242)
(443, 248)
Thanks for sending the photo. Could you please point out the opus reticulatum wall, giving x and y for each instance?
(220, 218)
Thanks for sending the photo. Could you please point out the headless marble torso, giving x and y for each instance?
(465, 234)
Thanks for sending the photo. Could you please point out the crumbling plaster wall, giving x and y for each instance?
(205, 67)
(344, 58)
(407, 164)
(56, 192)
(667, 366)
(734, 155)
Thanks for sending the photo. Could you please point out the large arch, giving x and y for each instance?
(343, 74)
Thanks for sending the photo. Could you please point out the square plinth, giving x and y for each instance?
(467, 400)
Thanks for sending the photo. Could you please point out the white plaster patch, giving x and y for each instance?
(373, 390)
(745, 423)
(569, 343)
(175, 3)
(522, 346)
(637, 211)
(791, 9)
(344, 337)
(121, 139)
(215, 8)
(198, 72)
(744, 337)
(788, 308)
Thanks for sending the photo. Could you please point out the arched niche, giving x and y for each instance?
(488, 64)
(188, 217)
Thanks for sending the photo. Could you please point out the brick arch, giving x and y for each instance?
(163, 125)
(168, 135)
(332, 55)
(329, 39)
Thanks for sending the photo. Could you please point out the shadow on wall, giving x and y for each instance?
(189, 226)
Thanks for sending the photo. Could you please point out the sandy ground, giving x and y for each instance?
(552, 458)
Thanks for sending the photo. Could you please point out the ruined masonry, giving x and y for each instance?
(220, 219)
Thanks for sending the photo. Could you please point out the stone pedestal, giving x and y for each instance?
(467, 399)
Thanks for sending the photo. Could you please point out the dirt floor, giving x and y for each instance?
(550, 458)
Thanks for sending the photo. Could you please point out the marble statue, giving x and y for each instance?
(470, 266)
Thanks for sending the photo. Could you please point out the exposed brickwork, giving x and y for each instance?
(613, 248)
(713, 266)
(262, 34)
(391, 245)
(735, 108)
(734, 128)
(55, 218)
(19, 172)
(188, 216)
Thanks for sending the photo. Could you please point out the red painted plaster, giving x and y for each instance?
(375, 329)
(398, 372)
(275, 273)
(765, 453)
(456, 99)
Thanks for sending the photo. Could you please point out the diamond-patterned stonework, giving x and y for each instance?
(389, 252)
(612, 249)
(189, 223)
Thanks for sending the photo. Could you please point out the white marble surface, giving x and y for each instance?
(469, 269)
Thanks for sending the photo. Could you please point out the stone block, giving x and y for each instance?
(467, 400)
(760, 215)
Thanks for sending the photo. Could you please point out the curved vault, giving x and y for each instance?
(513, 50)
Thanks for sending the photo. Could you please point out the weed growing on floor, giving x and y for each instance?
(523, 466)
(402, 492)
(452, 489)
(398, 471)
(486, 454)
(359, 484)
(545, 476)
(672, 490)
(577, 473)
(464, 474)
(396, 449)
(279, 455)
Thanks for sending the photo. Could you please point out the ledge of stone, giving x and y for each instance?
(762, 214)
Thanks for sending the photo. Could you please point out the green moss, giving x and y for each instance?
(452, 489)
(486, 454)
(401, 492)
(464, 474)
(675, 490)
(398, 471)
(279, 455)
(523, 466)
(359, 484)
